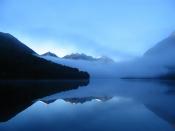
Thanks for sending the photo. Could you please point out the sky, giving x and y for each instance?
(120, 29)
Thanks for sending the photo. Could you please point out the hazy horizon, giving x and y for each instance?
(119, 29)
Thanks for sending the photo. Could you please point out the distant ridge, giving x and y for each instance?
(163, 54)
(18, 61)
(49, 54)
(77, 56)
(82, 56)
(163, 48)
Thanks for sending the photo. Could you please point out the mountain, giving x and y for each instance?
(163, 54)
(49, 54)
(157, 63)
(96, 67)
(11, 45)
(105, 59)
(20, 62)
(77, 56)
(163, 48)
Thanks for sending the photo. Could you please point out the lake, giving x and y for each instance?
(96, 105)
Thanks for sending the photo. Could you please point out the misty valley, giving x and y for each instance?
(87, 65)
(80, 92)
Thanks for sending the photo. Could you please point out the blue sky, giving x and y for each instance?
(121, 29)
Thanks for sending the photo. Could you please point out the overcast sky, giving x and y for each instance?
(121, 29)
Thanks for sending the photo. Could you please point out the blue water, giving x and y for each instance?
(103, 105)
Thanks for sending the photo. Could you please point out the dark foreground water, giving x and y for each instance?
(103, 105)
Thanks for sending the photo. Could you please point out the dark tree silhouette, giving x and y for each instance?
(17, 61)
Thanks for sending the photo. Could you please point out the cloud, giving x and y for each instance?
(94, 47)
(119, 29)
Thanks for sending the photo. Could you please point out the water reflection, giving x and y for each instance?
(123, 114)
(81, 100)
(15, 96)
(157, 96)
(104, 104)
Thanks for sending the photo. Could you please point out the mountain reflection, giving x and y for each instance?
(104, 104)
(113, 114)
(156, 95)
(16, 96)
(157, 109)
(81, 100)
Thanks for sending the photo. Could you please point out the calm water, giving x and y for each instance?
(103, 105)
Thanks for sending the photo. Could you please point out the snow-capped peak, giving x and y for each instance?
(49, 54)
